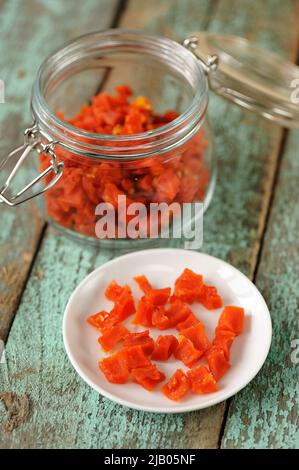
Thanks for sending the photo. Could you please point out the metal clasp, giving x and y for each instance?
(209, 63)
(32, 143)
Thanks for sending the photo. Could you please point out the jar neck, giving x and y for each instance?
(127, 147)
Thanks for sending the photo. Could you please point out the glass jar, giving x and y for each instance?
(171, 162)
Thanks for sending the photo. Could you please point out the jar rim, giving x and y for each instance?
(193, 114)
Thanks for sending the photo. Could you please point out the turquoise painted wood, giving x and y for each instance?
(28, 34)
(265, 414)
(64, 412)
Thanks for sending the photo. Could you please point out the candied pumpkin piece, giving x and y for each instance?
(110, 321)
(218, 364)
(224, 340)
(115, 368)
(177, 386)
(113, 336)
(201, 379)
(165, 346)
(177, 312)
(232, 319)
(144, 312)
(167, 186)
(98, 319)
(160, 319)
(186, 352)
(142, 339)
(159, 296)
(198, 336)
(209, 297)
(124, 305)
(148, 377)
(191, 320)
(143, 283)
(188, 285)
(136, 357)
(113, 291)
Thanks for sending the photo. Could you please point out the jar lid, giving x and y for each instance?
(249, 76)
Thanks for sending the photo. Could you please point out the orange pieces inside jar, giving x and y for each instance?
(181, 176)
(134, 353)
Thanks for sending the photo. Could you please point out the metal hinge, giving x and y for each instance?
(32, 143)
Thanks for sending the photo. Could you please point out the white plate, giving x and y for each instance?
(162, 267)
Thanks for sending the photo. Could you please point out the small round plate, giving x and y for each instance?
(162, 267)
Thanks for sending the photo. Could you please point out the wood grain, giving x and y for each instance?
(265, 413)
(64, 411)
(28, 34)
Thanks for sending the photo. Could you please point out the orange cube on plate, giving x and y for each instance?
(160, 319)
(124, 305)
(188, 286)
(144, 312)
(201, 379)
(177, 386)
(209, 297)
(148, 377)
(115, 368)
(218, 363)
(98, 319)
(165, 346)
(157, 296)
(136, 357)
(198, 336)
(177, 312)
(113, 291)
(186, 352)
(231, 319)
(191, 320)
(142, 339)
(113, 336)
(143, 283)
(224, 340)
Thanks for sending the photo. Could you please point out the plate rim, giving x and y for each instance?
(154, 409)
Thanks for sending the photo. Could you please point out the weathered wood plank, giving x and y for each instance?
(265, 414)
(65, 412)
(28, 33)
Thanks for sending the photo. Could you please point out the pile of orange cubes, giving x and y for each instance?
(162, 309)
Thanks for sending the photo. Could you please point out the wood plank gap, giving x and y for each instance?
(283, 144)
(4, 336)
(122, 6)
(271, 200)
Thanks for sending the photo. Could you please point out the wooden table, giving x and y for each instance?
(253, 222)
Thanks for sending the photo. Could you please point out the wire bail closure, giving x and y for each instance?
(32, 143)
(209, 63)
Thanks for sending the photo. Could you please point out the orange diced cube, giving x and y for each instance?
(186, 352)
(112, 336)
(164, 347)
(188, 286)
(177, 386)
(148, 377)
(115, 368)
(231, 319)
(201, 379)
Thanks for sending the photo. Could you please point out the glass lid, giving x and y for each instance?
(249, 76)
